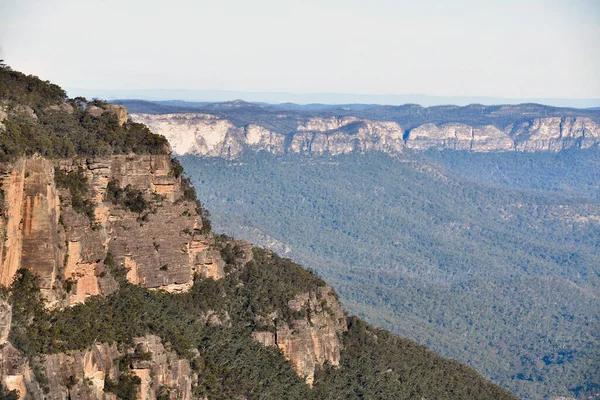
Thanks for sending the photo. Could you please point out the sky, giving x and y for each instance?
(508, 48)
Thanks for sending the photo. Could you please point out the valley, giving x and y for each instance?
(486, 254)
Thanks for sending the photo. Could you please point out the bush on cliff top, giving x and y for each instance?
(63, 133)
(28, 90)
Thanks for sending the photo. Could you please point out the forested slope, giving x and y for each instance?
(114, 285)
(493, 262)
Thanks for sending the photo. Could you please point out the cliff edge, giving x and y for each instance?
(115, 287)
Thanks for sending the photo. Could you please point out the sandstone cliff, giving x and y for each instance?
(162, 247)
(84, 374)
(311, 341)
(217, 136)
(46, 235)
(118, 288)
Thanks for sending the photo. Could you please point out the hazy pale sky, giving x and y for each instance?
(510, 48)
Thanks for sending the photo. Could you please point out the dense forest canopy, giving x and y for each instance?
(229, 363)
(41, 119)
(491, 259)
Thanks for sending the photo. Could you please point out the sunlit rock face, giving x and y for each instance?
(313, 340)
(88, 371)
(214, 136)
(162, 248)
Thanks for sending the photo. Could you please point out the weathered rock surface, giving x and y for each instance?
(209, 135)
(119, 111)
(215, 136)
(162, 247)
(82, 375)
(3, 113)
(5, 320)
(313, 340)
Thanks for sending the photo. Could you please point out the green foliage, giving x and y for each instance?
(473, 261)
(189, 194)
(28, 89)
(130, 198)
(176, 168)
(126, 386)
(163, 393)
(265, 286)
(118, 272)
(77, 185)
(29, 314)
(69, 285)
(58, 133)
(6, 394)
(227, 355)
(377, 364)
(229, 362)
(71, 382)
(572, 172)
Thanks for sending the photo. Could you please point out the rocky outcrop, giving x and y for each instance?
(84, 374)
(3, 113)
(62, 107)
(5, 320)
(313, 340)
(31, 223)
(216, 136)
(163, 246)
(456, 136)
(119, 111)
(17, 374)
(555, 134)
(209, 135)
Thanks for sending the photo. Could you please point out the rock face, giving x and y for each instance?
(459, 137)
(215, 136)
(119, 111)
(5, 320)
(313, 340)
(83, 374)
(163, 247)
(209, 135)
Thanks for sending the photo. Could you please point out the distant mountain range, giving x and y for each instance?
(319, 98)
(473, 230)
(228, 129)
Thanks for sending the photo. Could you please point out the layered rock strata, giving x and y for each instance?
(215, 136)
(82, 375)
(311, 341)
(162, 247)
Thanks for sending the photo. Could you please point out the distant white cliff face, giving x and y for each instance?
(212, 136)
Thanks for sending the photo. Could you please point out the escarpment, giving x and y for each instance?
(66, 237)
(90, 226)
(209, 135)
(313, 340)
(132, 212)
(77, 223)
(218, 136)
(92, 373)
(115, 287)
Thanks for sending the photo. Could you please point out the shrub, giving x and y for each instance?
(77, 185)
